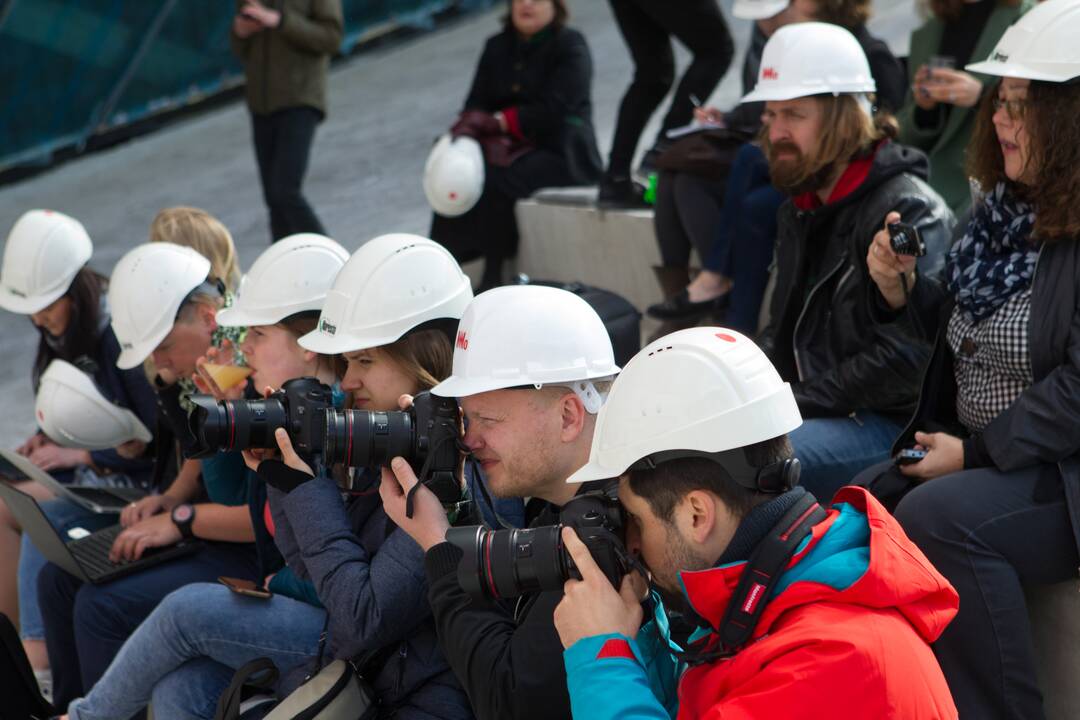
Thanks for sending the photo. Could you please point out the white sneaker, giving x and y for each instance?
(44, 681)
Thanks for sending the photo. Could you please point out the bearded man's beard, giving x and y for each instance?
(792, 173)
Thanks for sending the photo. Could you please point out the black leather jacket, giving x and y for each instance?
(822, 334)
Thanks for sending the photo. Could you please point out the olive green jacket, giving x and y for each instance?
(286, 66)
(946, 142)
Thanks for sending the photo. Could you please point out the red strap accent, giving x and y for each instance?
(513, 122)
(853, 176)
(616, 648)
(268, 519)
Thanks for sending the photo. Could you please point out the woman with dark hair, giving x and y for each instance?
(995, 502)
(938, 114)
(530, 108)
(45, 276)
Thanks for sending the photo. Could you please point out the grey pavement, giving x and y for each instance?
(386, 107)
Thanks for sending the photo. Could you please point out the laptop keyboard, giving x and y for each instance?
(92, 552)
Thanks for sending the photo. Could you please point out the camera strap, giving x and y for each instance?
(758, 580)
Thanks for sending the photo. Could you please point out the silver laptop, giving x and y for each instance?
(16, 468)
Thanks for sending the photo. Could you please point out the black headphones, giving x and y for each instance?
(775, 478)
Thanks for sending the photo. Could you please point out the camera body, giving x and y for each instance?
(906, 240)
(425, 435)
(512, 562)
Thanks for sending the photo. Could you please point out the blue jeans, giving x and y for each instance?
(833, 450)
(185, 653)
(746, 236)
(64, 516)
(86, 625)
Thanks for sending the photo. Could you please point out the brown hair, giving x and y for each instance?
(847, 132)
(562, 15)
(82, 337)
(951, 9)
(1054, 154)
(427, 355)
(846, 13)
(666, 485)
(203, 232)
(301, 324)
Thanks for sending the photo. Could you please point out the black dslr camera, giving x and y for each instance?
(426, 434)
(513, 562)
(906, 240)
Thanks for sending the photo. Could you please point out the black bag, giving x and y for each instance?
(706, 153)
(21, 698)
(621, 318)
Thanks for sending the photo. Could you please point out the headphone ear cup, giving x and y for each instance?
(779, 477)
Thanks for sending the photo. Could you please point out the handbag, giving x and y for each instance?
(706, 153)
(336, 691)
(22, 699)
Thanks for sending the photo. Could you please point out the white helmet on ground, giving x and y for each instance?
(454, 175)
(523, 335)
(758, 9)
(73, 413)
(1044, 44)
(392, 284)
(292, 276)
(703, 390)
(811, 58)
(44, 252)
(147, 288)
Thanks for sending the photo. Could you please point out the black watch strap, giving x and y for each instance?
(183, 517)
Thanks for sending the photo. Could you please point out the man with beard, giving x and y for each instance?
(855, 379)
(803, 612)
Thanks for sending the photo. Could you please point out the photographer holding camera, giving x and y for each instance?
(530, 369)
(853, 377)
(803, 611)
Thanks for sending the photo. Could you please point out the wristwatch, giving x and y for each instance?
(183, 516)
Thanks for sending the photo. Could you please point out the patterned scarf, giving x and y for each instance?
(996, 257)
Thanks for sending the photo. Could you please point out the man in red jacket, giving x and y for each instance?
(803, 612)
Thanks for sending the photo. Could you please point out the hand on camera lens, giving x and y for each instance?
(591, 606)
(429, 524)
(886, 267)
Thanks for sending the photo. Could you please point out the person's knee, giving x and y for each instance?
(656, 79)
(925, 514)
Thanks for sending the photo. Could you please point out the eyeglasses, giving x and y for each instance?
(1013, 108)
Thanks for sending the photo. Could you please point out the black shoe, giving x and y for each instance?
(620, 193)
(680, 307)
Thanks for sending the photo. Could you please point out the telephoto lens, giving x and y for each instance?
(514, 562)
(228, 425)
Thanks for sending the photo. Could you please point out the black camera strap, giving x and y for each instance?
(758, 580)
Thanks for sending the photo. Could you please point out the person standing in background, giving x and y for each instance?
(285, 47)
(647, 27)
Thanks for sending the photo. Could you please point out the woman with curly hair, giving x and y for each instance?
(995, 502)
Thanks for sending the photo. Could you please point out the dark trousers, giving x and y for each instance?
(282, 147)
(85, 625)
(686, 216)
(745, 236)
(490, 229)
(991, 533)
(647, 27)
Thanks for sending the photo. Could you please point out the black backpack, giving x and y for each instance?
(21, 697)
(621, 318)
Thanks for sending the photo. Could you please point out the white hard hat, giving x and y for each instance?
(758, 9)
(454, 175)
(44, 252)
(73, 413)
(1044, 44)
(293, 275)
(811, 58)
(522, 335)
(146, 290)
(704, 389)
(392, 284)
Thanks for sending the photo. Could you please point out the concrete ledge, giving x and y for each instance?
(565, 237)
(1055, 620)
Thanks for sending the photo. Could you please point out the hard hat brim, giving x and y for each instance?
(997, 68)
(22, 305)
(137, 354)
(239, 316)
(794, 93)
(758, 10)
(319, 342)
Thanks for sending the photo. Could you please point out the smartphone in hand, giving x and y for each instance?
(245, 587)
(909, 456)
